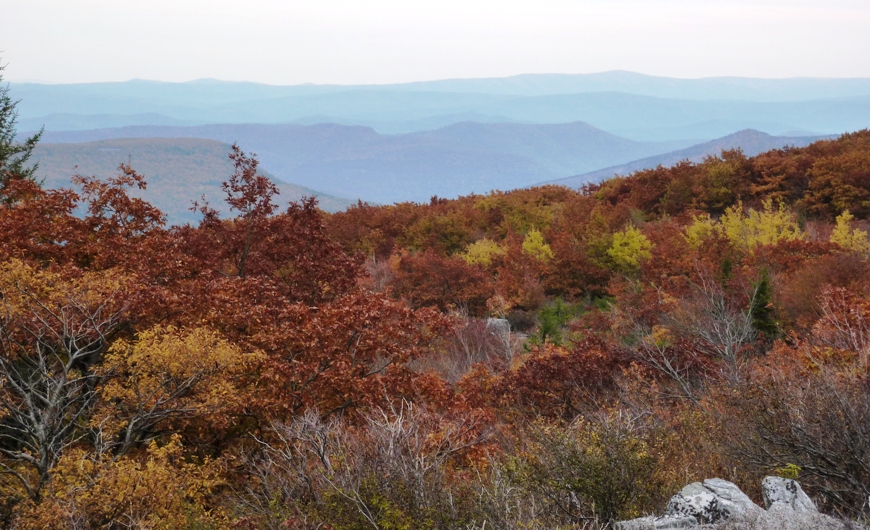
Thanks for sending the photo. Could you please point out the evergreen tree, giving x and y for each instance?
(13, 155)
(761, 310)
(552, 319)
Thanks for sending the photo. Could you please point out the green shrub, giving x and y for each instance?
(600, 471)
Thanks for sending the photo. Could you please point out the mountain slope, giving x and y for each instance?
(178, 171)
(751, 142)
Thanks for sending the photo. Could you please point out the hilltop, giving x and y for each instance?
(178, 171)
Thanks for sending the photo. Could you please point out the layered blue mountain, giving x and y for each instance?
(389, 143)
(639, 107)
(359, 163)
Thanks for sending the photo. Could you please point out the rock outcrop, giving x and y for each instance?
(713, 501)
(717, 504)
(788, 492)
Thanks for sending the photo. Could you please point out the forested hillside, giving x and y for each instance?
(749, 141)
(179, 171)
(543, 358)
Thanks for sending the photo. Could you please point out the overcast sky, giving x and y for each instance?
(388, 41)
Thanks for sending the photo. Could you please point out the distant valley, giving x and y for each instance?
(641, 118)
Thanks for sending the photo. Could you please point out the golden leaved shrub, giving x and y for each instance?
(158, 489)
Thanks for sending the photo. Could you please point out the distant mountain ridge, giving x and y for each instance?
(358, 163)
(751, 142)
(531, 84)
(636, 106)
(460, 159)
(67, 121)
(410, 141)
(716, 88)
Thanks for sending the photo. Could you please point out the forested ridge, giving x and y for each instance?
(272, 368)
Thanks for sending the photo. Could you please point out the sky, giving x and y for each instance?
(389, 41)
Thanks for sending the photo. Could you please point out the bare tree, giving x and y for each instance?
(720, 322)
(50, 339)
(844, 323)
(400, 454)
(707, 331)
(472, 341)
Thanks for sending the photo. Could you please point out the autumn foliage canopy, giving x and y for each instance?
(539, 358)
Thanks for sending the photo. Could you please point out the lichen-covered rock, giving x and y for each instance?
(713, 501)
(717, 504)
(787, 492)
(668, 522)
(675, 522)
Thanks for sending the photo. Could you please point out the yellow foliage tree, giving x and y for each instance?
(535, 246)
(154, 490)
(759, 228)
(747, 230)
(854, 240)
(170, 375)
(518, 212)
(482, 252)
(701, 229)
(719, 177)
(630, 248)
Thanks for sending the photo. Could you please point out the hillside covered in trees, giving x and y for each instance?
(297, 369)
(179, 171)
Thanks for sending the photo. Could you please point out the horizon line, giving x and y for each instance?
(446, 79)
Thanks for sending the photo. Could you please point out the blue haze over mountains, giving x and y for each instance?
(386, 143)
(357, 162)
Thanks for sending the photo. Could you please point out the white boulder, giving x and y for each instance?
(713, 501)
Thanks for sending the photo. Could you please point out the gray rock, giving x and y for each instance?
(717, 504)
(668, 522)
(780, 516)
(713, 501)
(788, 492)
(641, 523)
(673, 522)
(498, 326)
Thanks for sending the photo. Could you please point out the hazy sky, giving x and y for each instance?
(386, 41)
